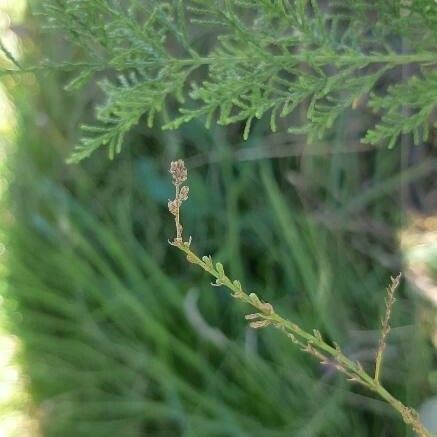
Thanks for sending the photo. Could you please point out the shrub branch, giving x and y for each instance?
(265, 315)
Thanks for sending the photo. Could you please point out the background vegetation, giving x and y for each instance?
(119, 337)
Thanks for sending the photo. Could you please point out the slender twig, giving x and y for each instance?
(389, 301)
(265, 314)
(179, 175)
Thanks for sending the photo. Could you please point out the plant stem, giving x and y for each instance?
(313, 57)
(310, 343)
(389, 302)
(176, 218)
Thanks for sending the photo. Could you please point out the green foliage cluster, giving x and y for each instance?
(303, 64)
(111, 341)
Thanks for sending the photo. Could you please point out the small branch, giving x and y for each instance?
(265, 315)
(361, 59)
(389, 301)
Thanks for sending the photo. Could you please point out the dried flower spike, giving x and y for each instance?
(183, 194)
(389, 301)
(173, 206)
(178, 171)
(179, 175)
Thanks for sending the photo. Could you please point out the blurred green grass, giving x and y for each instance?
(103, 307)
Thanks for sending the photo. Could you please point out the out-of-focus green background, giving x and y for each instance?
(106, 331)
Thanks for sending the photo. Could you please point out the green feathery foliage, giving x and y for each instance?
(301, 63)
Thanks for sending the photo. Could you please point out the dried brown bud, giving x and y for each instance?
(178, 171)
(183, 194)
(266, 308)
(173, 206)
(259, 324)
(252, 316)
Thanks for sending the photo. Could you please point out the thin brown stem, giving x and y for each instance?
(389, 301)
(177, 219)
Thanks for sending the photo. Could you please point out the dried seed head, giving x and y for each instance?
(173, 206)
(178, 171)
(183, 194)
(179, 175)
(259, 324)
(266, 308)
(252, 316)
